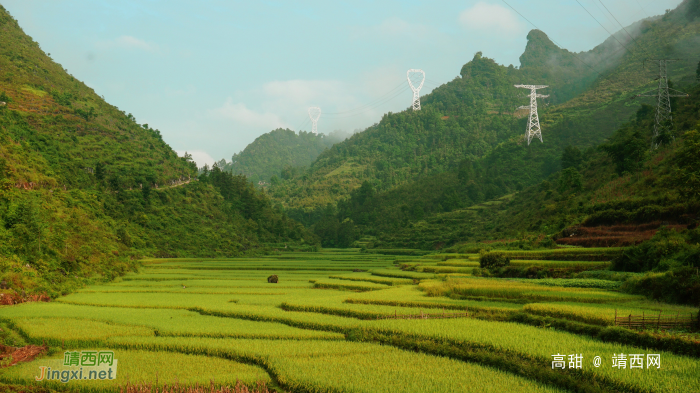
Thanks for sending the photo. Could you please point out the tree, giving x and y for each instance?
(571, 157)
(86, 114)
(100, 171)
(491, 260)
(570, 179)
(627, 148)
(5, 98)
(697, 72)
(686, 171)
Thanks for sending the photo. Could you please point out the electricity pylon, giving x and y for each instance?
(314, 114)
(416, 90)
(664, 120)
(533, 124)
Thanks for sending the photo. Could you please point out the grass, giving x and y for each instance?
(318, 330)
(56, 330)
(350, 286)
(142, 366)
(401, 274)
(510, 289)
(166, 322)
(378, 280)
(349, 367)
(602, 314)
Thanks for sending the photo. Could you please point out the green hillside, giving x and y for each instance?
(276, 151)
(617, 194)
(465, 147)
(86, 189)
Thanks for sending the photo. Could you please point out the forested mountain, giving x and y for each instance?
(279, 153)
(85, 189)
(466, 145)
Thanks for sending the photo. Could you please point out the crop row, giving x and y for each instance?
(319, 366)
(374, 279)
(509, 289)
(148, 366)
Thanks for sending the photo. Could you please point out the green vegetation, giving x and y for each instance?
(326, 337)
(280, 154)
(140, 365)
(85, 190)
(458, 171)
(474, 257)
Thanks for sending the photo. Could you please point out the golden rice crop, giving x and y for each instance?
(165, 322)
(375, 279)
(350, 286)
(602, 314)
(677, 371)
(510, 289)
(147, 366)
(56, 331)
(351, 367)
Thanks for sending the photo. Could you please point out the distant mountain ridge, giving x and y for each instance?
(466, 145)
(270, 153)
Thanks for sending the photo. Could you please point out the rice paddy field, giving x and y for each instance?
(345, 321)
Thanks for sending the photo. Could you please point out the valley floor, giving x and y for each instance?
(346, 321)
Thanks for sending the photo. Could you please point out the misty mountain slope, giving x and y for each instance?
(616, 195)
(469, 117)
(472, 116)
(84, 189)
(508, 168)
(464, 118)
(507, 164)
(276, 150)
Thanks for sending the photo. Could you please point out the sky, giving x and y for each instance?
(213, 75)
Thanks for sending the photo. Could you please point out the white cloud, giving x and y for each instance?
(492, 17)
(305, 92)
(199, 156)
(243, 115)
(127, 41)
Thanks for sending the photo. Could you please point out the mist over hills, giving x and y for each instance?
(466, 144)
(278, 150)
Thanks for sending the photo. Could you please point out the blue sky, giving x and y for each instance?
(214, 75)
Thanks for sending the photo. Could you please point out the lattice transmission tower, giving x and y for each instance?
(416, 75)
(533, 124)
(314, 114)
(663, 123)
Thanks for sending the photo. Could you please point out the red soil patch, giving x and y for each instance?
(23, 354)
(8, 299)
(613, 235)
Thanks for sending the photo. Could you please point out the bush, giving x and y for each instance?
(681, 285)
(492, 260)
(666, 250)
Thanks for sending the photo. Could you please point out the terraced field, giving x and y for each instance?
(345, 321)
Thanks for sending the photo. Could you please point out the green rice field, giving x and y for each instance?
(345, 321)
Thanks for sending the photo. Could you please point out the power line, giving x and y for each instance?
(643, 10)
(399, 86)
(573, 54)
(623, 27)
(378, 104)
(604, 28)
(663, 122)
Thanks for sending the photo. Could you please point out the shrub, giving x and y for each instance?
(665, 250)
(681, 285)
(492, 260)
